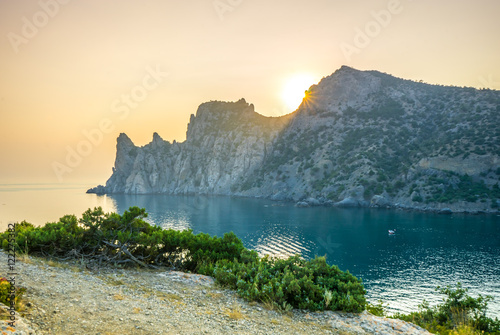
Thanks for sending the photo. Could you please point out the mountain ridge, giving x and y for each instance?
(359, 138)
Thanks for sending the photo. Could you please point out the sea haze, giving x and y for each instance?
(427, 250)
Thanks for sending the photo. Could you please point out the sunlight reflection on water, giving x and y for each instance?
(280, 242)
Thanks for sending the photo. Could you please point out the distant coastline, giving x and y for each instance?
(464, 208)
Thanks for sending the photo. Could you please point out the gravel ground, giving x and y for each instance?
(66, 298)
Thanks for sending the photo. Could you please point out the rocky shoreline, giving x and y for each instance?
(69, 298)
(377, 201)
(383, 203)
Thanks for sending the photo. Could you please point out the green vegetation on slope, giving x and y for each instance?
(380, 142)
(458, 314)
(110, 238)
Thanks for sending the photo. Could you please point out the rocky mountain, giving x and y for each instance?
(226, 141)
(359, 138)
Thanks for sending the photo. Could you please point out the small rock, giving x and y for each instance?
(313, 202)
(445, 211)
(348, 202)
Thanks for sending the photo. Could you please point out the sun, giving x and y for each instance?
(294, 89)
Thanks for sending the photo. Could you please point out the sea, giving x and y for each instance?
(401, 270)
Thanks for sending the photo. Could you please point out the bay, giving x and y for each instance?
(402, 269)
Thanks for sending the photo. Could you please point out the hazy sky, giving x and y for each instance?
(75, 69)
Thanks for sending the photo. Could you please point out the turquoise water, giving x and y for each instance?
(427, 250)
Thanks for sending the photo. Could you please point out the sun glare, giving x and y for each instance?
(294, 90)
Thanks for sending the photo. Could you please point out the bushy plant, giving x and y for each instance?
(376, 309)
(458, 311)
(312, 285)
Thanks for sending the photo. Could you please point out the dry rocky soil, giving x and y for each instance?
(68, 298)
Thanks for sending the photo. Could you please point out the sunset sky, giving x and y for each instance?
(79, 69)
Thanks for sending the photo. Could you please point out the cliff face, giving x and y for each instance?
(359, 138)
(225, 142)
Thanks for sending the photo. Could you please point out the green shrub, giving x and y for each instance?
(127, 239)
(293, 281)
(417, 198)
(457, 310)
(377, 309)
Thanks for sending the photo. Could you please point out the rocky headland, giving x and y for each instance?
(359, 138)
